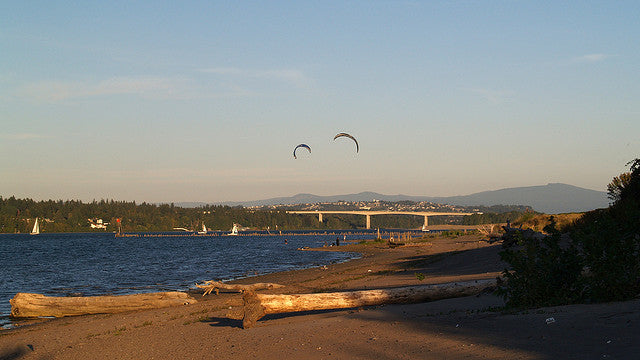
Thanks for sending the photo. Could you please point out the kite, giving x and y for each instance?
(350, 137)
(301, 146)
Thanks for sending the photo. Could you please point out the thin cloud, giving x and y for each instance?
(53, 91)
(492, 96)
(156, 87)
(225, 71)
(591, 58)
(134, 86)
(197, 176)
(291, 76)
(23, 136)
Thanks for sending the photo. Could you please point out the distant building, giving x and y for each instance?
(98, 224)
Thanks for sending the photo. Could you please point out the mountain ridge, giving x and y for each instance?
(553, 198)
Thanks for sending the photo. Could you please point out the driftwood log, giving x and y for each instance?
(258, 305)
(216, 286)
(24, 305)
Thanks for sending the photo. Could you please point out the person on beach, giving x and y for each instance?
(338, 241)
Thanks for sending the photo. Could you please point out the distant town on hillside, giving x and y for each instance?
(380, 205)
(552, 198)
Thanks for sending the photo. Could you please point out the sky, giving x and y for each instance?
(167, 101)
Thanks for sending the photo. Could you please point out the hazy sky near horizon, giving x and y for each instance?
(164, 101)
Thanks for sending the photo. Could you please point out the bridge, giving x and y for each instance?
(368, 214)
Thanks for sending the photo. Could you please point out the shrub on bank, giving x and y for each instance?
(595, 259)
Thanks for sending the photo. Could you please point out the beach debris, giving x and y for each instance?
(490, 232)
(257, 306)
(550, 320)
(216, 286)
(26, 305)
(350, 137)
(305, 146)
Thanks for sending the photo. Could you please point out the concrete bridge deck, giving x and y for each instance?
(369, 213)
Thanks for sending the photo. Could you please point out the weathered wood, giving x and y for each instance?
(258, 305)
(25, 305)
(216, 286)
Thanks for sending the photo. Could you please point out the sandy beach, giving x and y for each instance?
(474, 327)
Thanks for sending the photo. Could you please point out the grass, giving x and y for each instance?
(384, 272)
(146, 323)
(199, 319)
(377, 273)
(119, 331)
(203, 311)
(538, 221)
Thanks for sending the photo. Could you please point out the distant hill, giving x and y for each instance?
(552, 198)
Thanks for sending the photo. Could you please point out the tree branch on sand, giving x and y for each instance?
(490, 231)
(216, 286)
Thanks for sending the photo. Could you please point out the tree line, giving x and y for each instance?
(18, 216)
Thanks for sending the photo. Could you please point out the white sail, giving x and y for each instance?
(204, 230)
(36, 228)
(234, 231)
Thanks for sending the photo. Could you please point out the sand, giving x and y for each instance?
(474, 327)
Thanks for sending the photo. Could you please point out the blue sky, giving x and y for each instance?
(205, 100)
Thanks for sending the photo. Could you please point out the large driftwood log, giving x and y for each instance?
(212, 285)
(258, 305)
(25, 305)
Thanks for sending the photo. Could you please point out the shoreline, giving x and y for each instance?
(469, 327)
(185, 286)
(256, 232)
(374, 266)
(29, 274)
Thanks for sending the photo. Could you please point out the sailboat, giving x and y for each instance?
(204, 230)
(36, 228)
(234, 231)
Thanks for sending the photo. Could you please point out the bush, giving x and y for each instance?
(610, 244)
(596, 260)
(543, 273)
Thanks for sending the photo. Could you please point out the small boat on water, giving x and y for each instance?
(234, 231)
(36, 228)
(204, 230)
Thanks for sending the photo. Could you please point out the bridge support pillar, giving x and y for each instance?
(368, 221)
(320, 217)
(426, 221)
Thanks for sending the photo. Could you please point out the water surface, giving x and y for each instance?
(101, 264)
